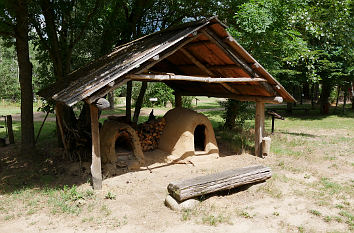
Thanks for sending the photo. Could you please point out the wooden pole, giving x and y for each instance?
(176, 77)
(178, 100)
(10, 132)
(259, 128)
(253, 98)
(60, 126)
(273, 123)
(128, 101)
(96, 155)
(40, 129)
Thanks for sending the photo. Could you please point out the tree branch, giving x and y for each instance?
(41, 38)
(88, 18)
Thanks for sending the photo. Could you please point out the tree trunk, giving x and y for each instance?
(316, 92)
(231, 113)
(306, 90)
(353, 95)
(289, 107)
(312, 96)
(345, 100)
(139, 102)
(337, 99)
(295, 95)
(110, 98)
(25, 76)
(324, 98)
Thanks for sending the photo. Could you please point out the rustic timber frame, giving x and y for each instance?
(195, 59)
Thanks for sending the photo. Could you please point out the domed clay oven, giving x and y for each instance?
(119, 139)
(187, 133)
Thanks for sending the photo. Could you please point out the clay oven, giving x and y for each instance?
(187, 133)
(119, 139)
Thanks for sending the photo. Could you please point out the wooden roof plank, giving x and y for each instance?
(237, 59)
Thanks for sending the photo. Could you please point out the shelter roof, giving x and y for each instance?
(196, 58)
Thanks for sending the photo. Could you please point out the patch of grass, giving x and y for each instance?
(215, 220)
(48, 133)
(330, 186)
(88, 219)
(315, 212)
(9, 217)
(349, 217)
(327, 218)
(110, 196)
(186, 215)
(338, 219)
(245, 214)
(65, 200)
(119, 223)
(301, 229)
(105, 210)
(271, 188)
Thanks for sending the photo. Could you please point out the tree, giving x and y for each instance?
(14, 23)
(9, 84)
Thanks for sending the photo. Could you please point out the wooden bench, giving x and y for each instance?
(183, 190)
(274, 115)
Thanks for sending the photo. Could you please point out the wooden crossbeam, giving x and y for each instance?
(173, 77)
(252, 98)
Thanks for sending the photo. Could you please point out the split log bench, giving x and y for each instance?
(183, 190)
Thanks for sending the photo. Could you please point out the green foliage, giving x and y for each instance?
(187, 101)
(158, 90)
(236, 114)
(9, 84)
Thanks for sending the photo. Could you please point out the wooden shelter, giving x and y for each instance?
(195, 59)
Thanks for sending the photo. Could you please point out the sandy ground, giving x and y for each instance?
(139, 204)
(310, 192)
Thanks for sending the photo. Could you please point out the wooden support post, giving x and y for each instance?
(96, 156)
(273, 123)
(60, 126)
(128, 101)
(178, 100)
(259, 128)
(10, 132)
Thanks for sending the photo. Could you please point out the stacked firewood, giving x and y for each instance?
(149, 133)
